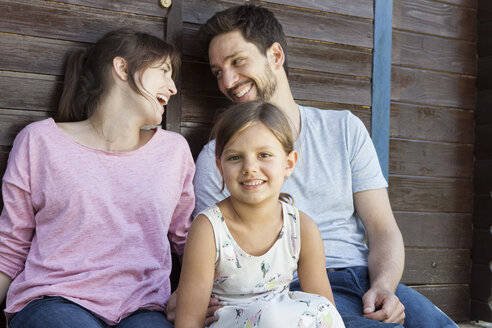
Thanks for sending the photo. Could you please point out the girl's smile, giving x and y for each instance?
(254, 165)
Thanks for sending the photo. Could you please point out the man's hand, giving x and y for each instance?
(213, 306)
(383, 305)
(171, 307)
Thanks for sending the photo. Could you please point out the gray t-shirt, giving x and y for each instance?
(336, 159)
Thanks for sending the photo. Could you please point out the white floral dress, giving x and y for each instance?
(254, 290)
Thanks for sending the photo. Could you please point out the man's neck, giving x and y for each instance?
(285, 102)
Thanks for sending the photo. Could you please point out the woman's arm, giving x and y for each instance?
(197, 275)
(311, 265)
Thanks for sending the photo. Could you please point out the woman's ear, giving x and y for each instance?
(120, 68)
(290, 163)
(275, 53)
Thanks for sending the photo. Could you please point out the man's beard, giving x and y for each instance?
(269, 85)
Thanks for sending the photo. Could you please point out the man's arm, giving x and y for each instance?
(386, 256)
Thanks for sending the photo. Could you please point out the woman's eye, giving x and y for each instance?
(263, 155)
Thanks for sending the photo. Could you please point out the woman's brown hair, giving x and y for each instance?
(88, 70)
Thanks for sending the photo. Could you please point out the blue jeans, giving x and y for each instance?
(351, 284)
(61, 313)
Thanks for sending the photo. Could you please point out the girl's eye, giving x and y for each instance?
(233, 158)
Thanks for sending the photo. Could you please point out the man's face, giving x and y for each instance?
(243, 73)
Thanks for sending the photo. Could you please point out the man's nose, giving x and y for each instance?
(229, 78)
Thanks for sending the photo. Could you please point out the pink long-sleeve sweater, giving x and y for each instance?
(93, 226)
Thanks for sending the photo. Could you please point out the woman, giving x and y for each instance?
(90, 200)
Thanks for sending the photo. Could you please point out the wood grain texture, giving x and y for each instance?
(432, 88)
(480, 311)
(443, 230)
(29, 91)
(141, 7)
(357, 8)
(305, 85)
(454, 300)
(422, 194)
(35, 55)
(323, 57)
(481, 286)
(484, 80)
(296, 23)
(482, 246)
(303, 54)
(484, 12)
(483, 144)
(483, 114)
(482, 178)
(423, 158)
(482, 211)
(436, 18)
(64, 22)
(484, 45)
(12, 121)
(463, 3)
(436, 266)
(431, 123)
(434, 53)
(197, 136)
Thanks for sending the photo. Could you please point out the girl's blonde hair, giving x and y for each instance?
(241, 116)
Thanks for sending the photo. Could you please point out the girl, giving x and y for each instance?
(90, 200)
(246, 248)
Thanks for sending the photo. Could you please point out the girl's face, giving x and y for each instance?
(254, 165)
(158, 86)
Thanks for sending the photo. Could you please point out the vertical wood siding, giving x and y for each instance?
(35, 39)
(481, 288)
(433, 98)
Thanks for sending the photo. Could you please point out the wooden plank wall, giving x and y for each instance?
(35, 38)
(330, 65)
(431, 145)
(330, 55)
(433, 99)
(481, 291)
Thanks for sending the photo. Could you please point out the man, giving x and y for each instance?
(338, 181)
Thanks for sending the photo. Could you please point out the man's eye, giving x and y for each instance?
(238, 61)
(217, 74)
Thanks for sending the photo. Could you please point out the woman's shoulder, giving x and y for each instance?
(35, 129)
(171, 137)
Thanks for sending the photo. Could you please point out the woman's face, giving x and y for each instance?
(158, 86)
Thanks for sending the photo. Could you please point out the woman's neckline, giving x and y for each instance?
(70, 139)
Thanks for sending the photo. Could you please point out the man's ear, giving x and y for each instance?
(276, 56)
(290, 163)
(120, 68)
